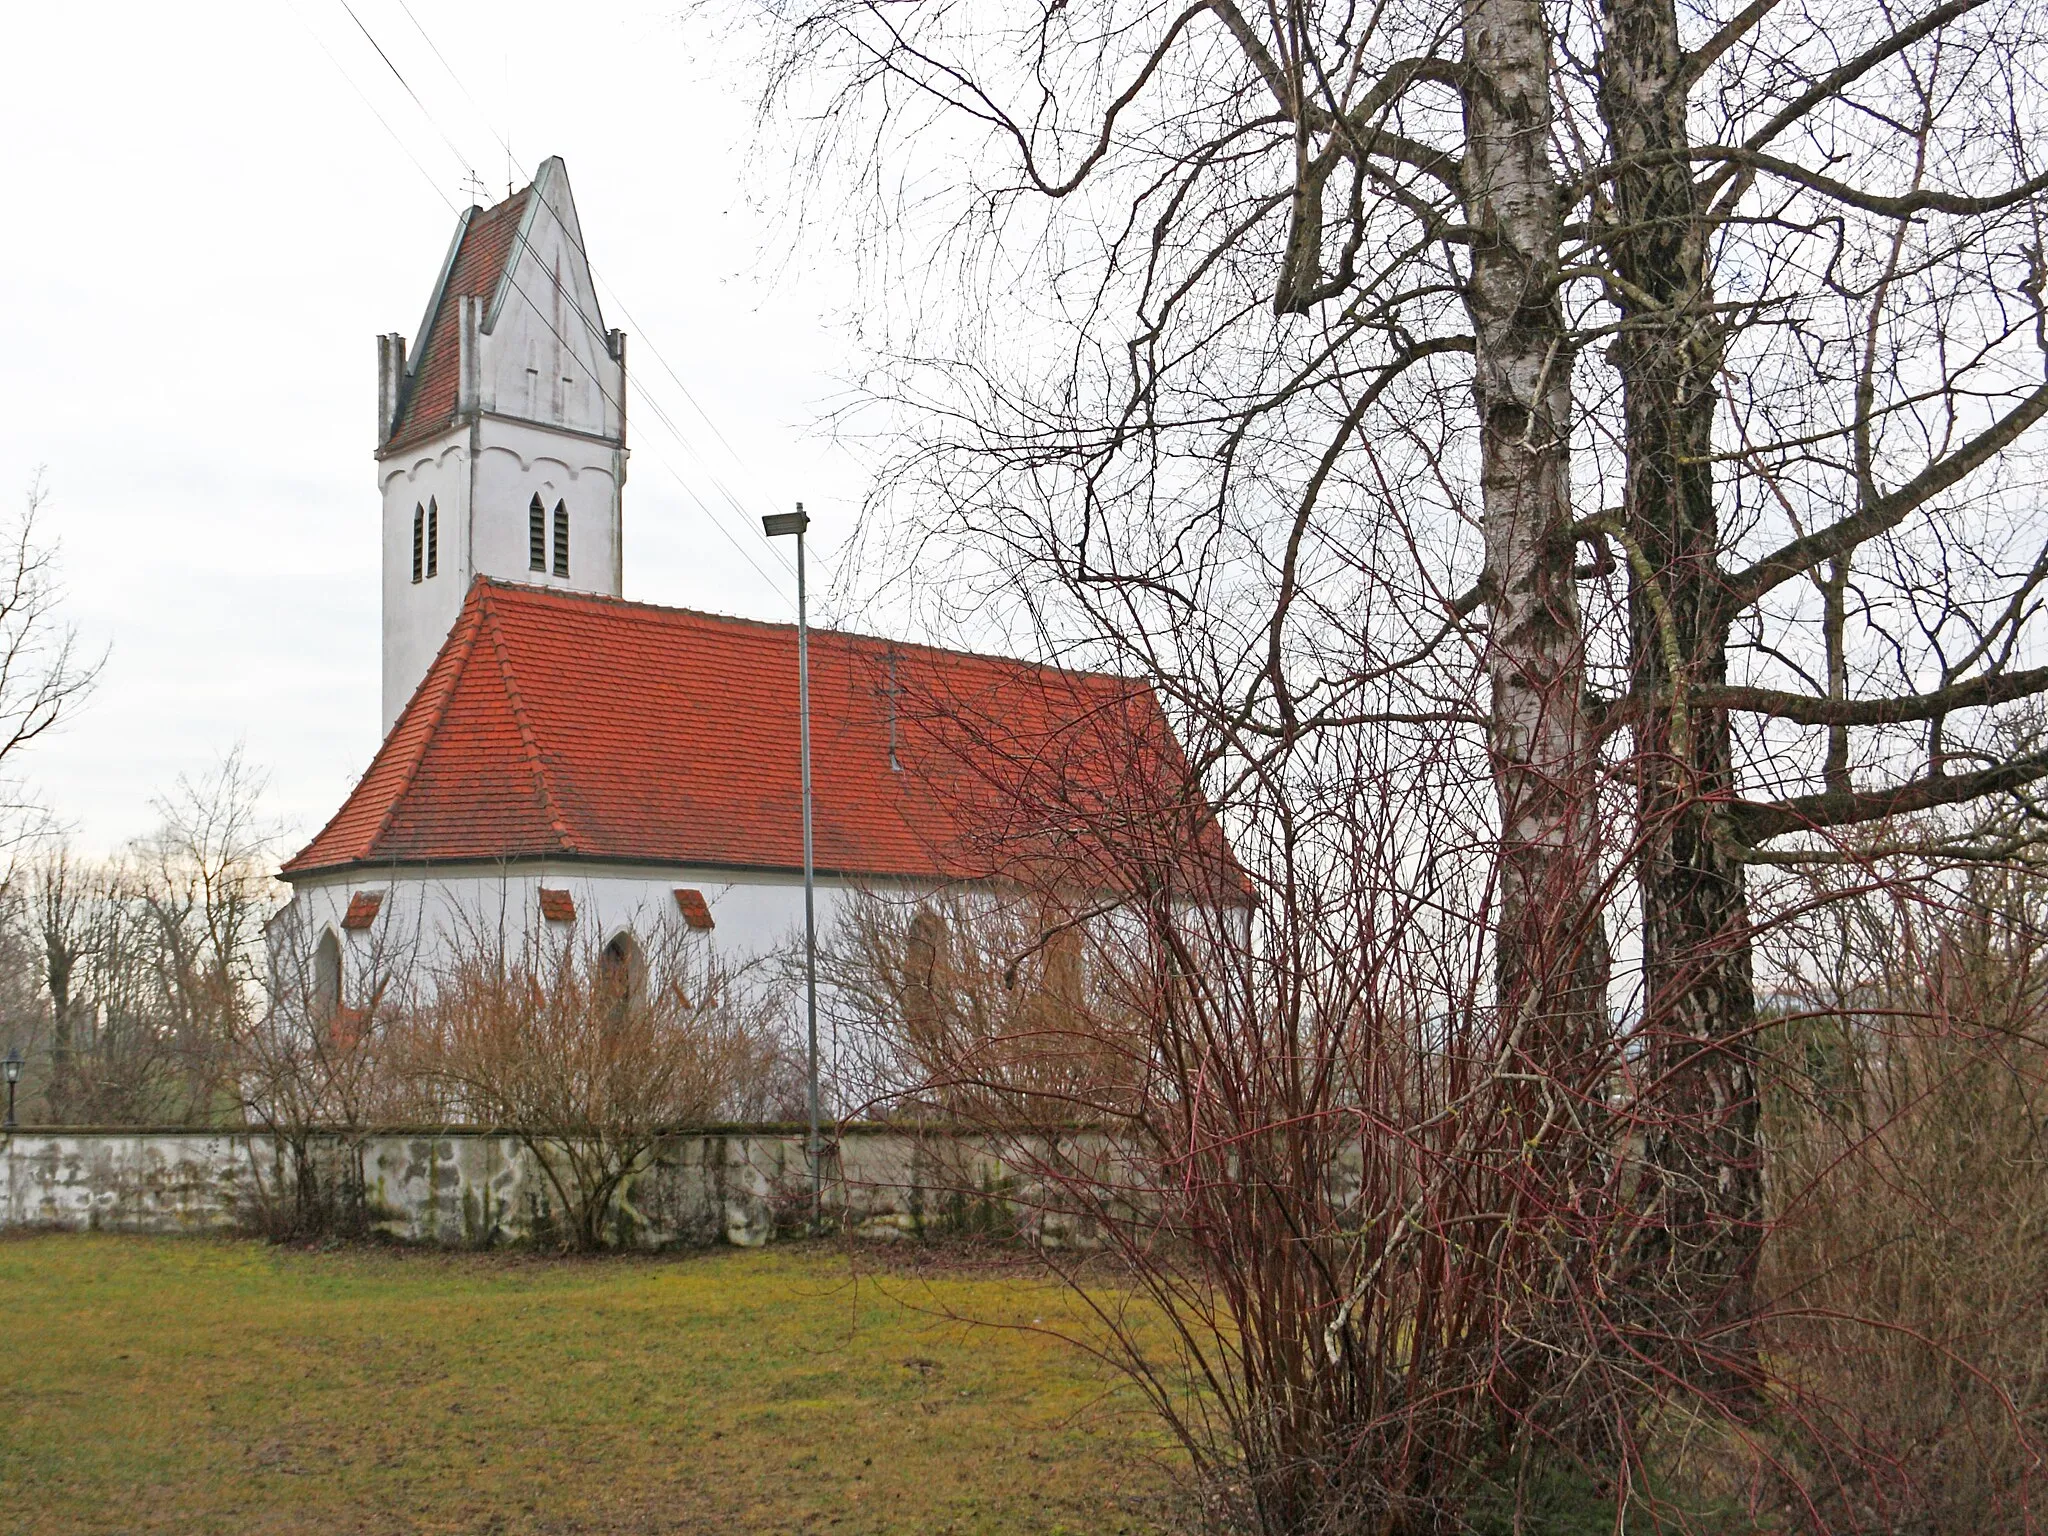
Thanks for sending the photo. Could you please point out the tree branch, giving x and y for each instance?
(1900, 207)
(1755, 821)
(1806, 709)
(1699, 62)
(1887, 511)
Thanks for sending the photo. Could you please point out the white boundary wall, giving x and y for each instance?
(480, 1189)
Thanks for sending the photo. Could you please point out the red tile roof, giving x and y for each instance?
(479, 266)
(564, 726)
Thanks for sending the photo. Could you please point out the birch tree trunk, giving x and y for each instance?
(1552, 961)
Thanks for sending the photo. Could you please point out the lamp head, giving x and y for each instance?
(10, 1065)
(780, 524)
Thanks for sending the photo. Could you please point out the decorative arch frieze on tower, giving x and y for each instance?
(513, 397)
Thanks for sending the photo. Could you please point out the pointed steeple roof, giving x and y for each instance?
(483, 263)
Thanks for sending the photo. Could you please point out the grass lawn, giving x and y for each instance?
(156, 1385)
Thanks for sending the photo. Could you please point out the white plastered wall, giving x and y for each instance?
(418, 615)
(516, 462)
(430, 917)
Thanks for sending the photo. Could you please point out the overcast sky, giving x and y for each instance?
(209, 224)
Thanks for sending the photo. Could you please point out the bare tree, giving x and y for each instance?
(43, 672)
(1631, 411)
(1373, 1241)
(327, 1057)
(58, 912)
(114, 1060)
(43, 676)
(203, 882)
(152, 962)
(24, 1009)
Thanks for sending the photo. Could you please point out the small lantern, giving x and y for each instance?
(10, 1068)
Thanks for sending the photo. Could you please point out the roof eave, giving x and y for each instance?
(291, 874)
(416, 437)
(393, 866)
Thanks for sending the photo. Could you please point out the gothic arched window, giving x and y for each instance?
(924, 975)
(433, 537)
(1064, 966)
(561, 538)
(419, 522)
(536, 536)
(326, 997)
(621, 978)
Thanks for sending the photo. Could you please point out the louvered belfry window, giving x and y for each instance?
(561, 538)
(419, 517)
(537, 536)
(433, 537)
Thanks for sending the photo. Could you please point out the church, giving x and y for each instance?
(558, 760)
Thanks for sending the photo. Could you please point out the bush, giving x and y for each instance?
(1909, 1267)
(590, 1057)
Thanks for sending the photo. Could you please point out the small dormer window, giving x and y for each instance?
(536, 536)
(433, 538)
(695, 909)
(419, 524)
(561, 538)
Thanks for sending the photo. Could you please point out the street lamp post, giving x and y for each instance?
(780, 525)
(11, 1066)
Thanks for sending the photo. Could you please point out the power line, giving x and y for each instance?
(687, 489)
(595, 329)
(661, 412)
(403, 147)
(460, 158)
(511, 276)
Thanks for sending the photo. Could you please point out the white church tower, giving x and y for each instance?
(502, 437)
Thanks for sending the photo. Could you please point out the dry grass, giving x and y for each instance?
(187, 1385)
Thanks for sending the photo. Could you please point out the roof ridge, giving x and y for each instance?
(517, 246)
(525, 589)
(528, 737)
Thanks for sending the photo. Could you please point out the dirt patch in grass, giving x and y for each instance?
(188, 1385)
